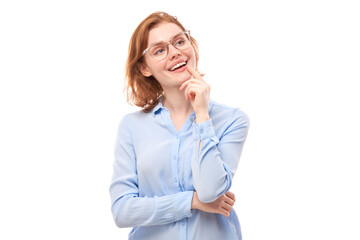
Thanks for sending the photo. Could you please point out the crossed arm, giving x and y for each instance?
(214, 163)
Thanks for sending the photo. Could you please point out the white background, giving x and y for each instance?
(292, 66)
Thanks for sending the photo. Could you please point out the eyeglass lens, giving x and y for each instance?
(160, 50)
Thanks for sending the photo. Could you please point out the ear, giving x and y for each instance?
(145, 70)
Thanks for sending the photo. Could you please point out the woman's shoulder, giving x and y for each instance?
(135, 117)
(224, 111)
(227, 118)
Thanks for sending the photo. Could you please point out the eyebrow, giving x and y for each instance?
(165, 41)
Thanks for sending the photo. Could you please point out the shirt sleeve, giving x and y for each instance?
(130, 210)
(215, 165)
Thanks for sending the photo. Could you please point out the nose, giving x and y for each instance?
(173, 51)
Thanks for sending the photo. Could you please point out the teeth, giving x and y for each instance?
(177, 66)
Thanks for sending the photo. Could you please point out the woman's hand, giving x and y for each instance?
(222, 205)
(198, 92)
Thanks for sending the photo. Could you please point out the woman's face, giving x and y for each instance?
(160, 69)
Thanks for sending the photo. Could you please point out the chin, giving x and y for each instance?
(184, 77)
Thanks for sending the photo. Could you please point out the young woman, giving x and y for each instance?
(176, 158)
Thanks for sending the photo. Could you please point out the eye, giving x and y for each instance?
(158, 51)
(180, 42)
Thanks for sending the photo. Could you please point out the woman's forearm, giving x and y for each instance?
(223, 205)
(132, 211)
(216, 156)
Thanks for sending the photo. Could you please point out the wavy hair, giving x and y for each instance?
(145, 92)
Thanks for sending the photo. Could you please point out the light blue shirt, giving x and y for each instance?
(157, 168)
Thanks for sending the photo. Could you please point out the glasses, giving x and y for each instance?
(160, 50)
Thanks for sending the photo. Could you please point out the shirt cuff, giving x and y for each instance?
(204, 130)
(183, 204)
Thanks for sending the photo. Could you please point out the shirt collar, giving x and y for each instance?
(157, 109)
(159, 106)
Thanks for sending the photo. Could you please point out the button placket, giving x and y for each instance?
(175, 159)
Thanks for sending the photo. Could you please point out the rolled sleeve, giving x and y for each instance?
(204, 130)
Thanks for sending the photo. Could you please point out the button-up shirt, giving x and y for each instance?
(157, 169)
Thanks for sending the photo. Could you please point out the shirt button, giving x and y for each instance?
(175, 180)
(201, 130)
(183, 223)
(191, 119)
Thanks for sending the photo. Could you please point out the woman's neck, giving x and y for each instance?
(176, 103)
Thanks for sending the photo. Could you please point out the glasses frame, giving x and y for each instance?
(187, 33)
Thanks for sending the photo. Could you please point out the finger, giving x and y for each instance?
(194, 87)
(193, 72)
(191, 91)
(224, 212)
(186, 83)
(230, 195)
(188, 92)
(227, 207)
(229, 201)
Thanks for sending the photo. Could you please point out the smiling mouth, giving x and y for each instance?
(177, 66)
